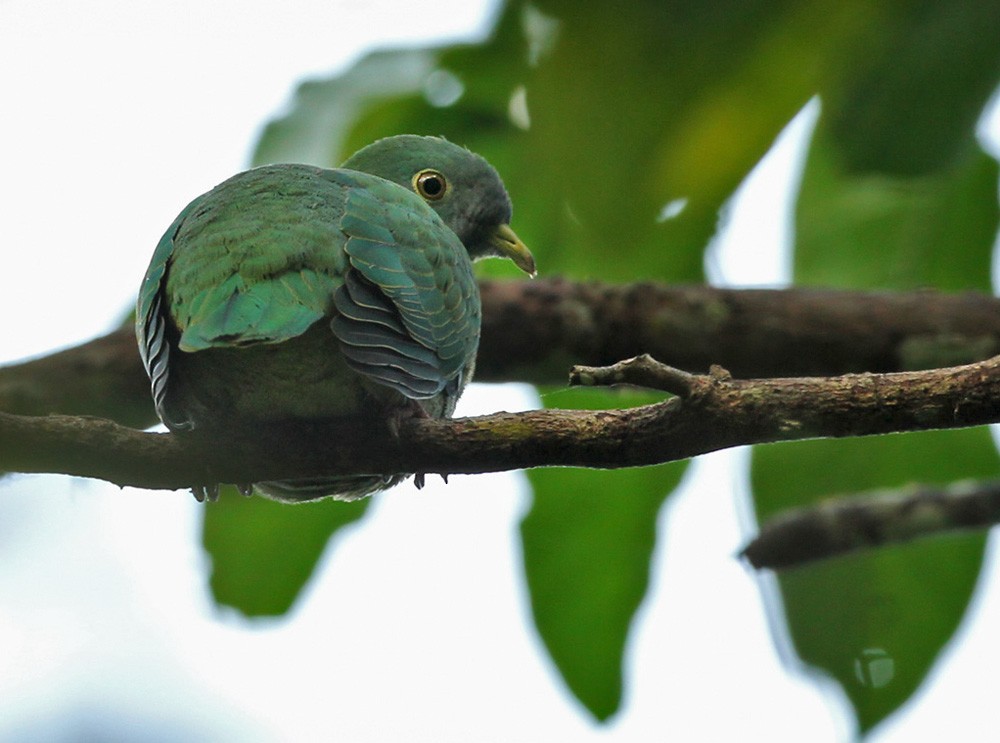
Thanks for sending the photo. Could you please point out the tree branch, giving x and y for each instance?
(714, 413)
(846, 524)
(533, 331)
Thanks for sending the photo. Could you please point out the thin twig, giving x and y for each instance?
(641, 371)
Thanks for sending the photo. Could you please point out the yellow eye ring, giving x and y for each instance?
(430, 184)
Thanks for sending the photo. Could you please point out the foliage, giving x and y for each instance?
(621, 131)
(263, 552)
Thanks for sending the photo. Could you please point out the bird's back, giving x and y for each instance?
(259, 258)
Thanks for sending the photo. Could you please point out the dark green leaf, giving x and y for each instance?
(876, 231)
(263, 552)
(598, 119)
(877, 620)
(588, 540)
(910, 103)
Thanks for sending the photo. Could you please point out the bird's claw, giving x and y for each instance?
(204, 493)
(420, 479)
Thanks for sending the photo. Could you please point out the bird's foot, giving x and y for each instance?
(409, 411)
(420, 479)
(403, 413)
(204, 493)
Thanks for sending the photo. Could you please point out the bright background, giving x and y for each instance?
(416, 626)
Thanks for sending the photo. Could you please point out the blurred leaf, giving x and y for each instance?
(599, 398)
(323, 111)
(263, 552)
(877, 231)
(909, 104)
(600, 117)
(876, 621)
(588, 541)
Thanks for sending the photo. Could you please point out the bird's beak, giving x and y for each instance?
(509, 245)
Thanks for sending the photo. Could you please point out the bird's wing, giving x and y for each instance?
(258, 260)
(151, 318)
(255, 260)
(408, 312)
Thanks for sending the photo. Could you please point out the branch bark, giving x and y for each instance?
(714, 412)
(838, 526)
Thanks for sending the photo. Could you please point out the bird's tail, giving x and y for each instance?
(349, 488)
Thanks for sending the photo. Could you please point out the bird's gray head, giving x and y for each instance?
(459, 185)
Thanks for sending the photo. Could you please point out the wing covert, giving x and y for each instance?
(408, 311)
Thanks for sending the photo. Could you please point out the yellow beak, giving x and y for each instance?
(509, 245)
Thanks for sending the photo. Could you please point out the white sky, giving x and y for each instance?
(416, 626)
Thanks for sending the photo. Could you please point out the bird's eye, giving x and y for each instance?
(430, 184)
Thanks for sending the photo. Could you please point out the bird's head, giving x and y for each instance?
(459, 185)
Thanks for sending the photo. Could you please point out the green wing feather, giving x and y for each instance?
(409, 311)
(150, 320)
(259, 260)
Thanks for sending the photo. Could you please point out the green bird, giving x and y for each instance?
(294, 293)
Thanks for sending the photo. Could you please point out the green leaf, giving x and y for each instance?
(876, 231)
(598, 118)
(908, 105)
(876, 621)
(263, 552)
(588, 541)
(323, 111)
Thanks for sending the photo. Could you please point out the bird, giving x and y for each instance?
(291, 293)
